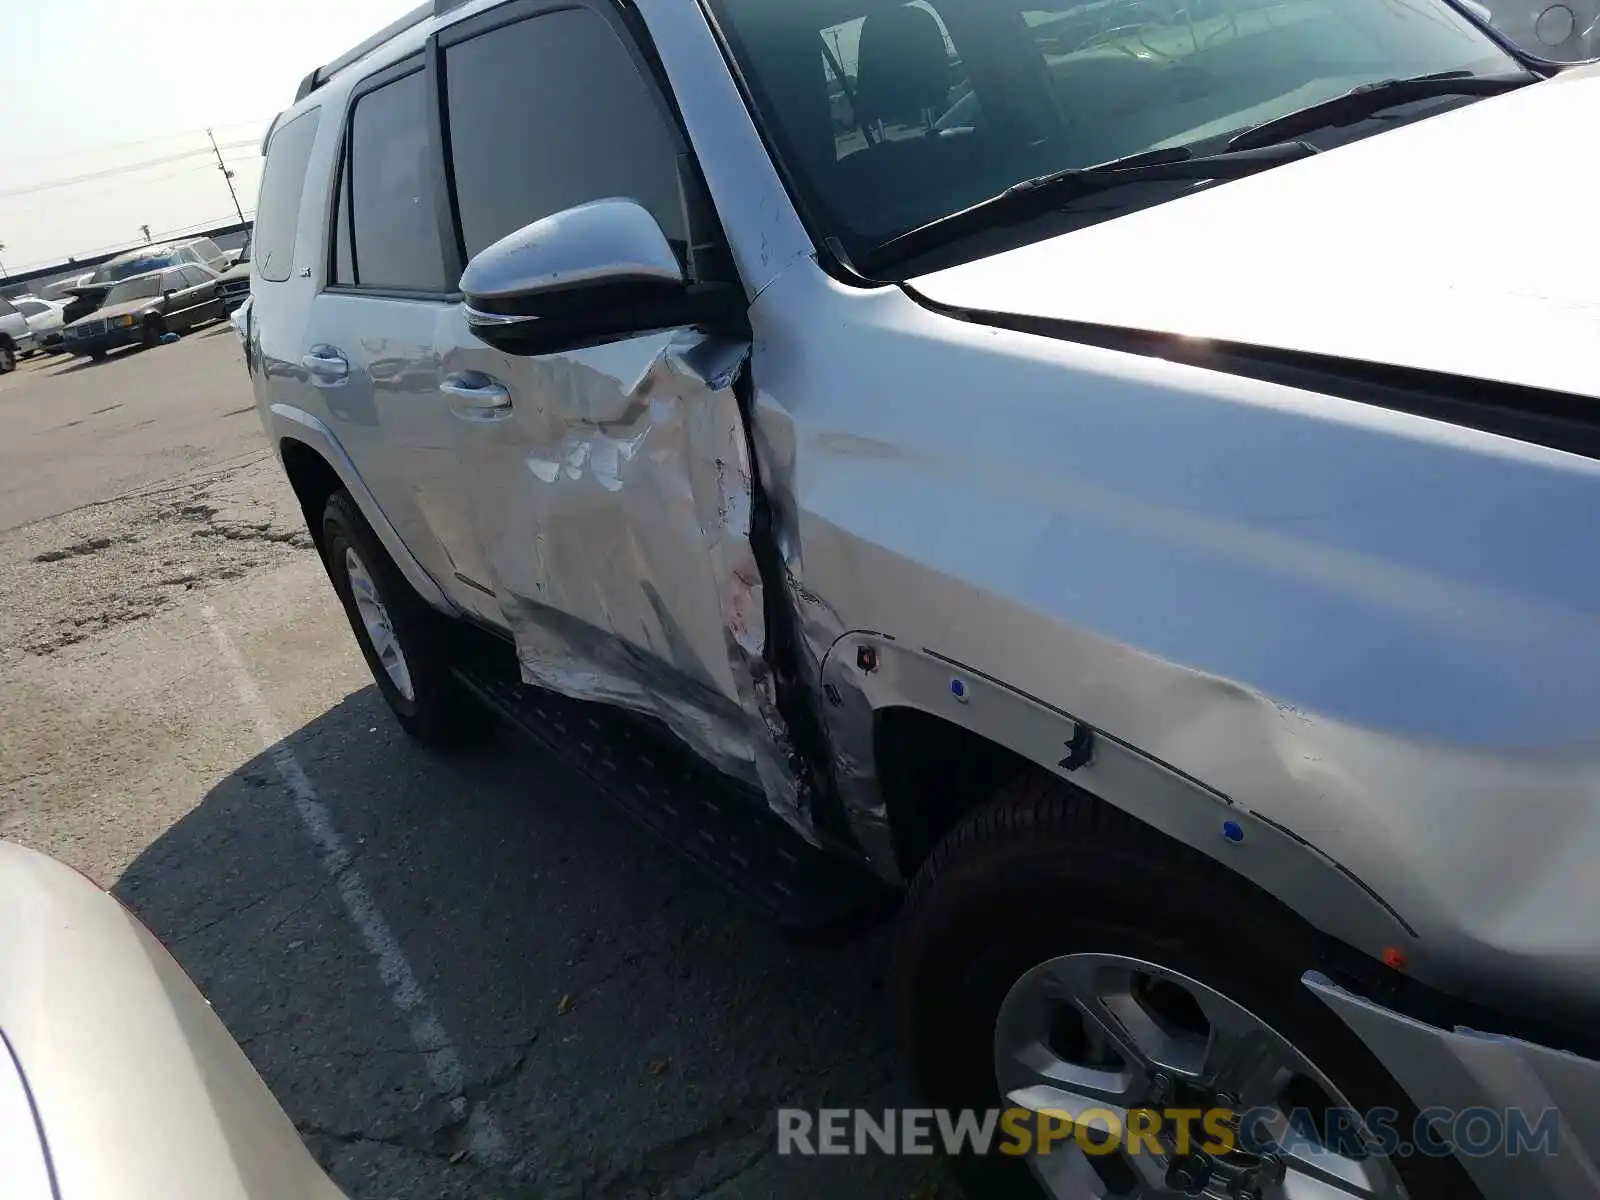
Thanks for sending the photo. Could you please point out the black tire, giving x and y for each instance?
(440, 712)
(1044, 871)
(150, 333)
(8, 356)
(97, 356)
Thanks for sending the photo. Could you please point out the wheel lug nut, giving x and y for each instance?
(1272, 1168)
(1161, 1090)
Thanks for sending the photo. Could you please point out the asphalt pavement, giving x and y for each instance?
(461, 976)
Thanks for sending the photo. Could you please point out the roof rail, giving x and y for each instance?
(416, 16)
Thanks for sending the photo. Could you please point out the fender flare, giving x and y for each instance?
(865, 672)
(295, 424)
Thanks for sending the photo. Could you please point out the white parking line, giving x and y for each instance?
(485, 1142)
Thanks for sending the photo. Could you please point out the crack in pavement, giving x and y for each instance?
(114, 564)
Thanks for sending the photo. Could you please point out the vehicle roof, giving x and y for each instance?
(343, 79)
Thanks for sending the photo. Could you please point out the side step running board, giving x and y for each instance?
(723, 826)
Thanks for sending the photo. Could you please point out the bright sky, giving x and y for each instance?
(93, 86)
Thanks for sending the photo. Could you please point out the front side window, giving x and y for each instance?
(394, 210)
(549, 113)
(278, 206)
(30, 308)
(889, 115)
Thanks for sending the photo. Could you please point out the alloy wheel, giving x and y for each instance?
(1088, 1032)
(375, 620)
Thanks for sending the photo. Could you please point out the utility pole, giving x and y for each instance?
(227, 175)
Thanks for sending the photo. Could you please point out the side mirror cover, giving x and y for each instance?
(591, 274)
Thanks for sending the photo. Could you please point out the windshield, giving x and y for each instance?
(889, 115)
(127, 268)
(143, 288)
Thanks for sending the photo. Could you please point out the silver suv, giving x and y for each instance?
(1110, 473)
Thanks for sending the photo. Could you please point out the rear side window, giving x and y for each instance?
(395, 217)
(282, 182)
(549, 113)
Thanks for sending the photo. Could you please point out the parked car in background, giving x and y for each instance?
(16, 338)
(45, 317)
(61, 289)
(1140, 522)
(117, 1079)
(138, 311)
(236, 279)
(87, 297)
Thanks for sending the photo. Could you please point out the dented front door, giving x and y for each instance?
(612, 493)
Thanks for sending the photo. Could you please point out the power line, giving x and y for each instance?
(124, 169)
(163, 137)
(97, 187)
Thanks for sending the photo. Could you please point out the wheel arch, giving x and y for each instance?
(317, 465)
(919, 741)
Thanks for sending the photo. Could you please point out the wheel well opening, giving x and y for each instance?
(313, 481)
(931, 773)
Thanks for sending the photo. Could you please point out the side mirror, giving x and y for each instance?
(168, 294)
(596, 273)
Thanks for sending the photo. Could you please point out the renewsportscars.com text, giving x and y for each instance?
(1436, 1132)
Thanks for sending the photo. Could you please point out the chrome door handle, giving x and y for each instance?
(327, 366)
(476, 392)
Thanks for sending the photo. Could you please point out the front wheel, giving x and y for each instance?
(1056, 958)
(8, 358)
(152, 331)
(404, 641)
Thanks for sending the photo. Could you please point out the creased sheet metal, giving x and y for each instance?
(624, 568)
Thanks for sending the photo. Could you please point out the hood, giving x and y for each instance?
(1459, 244)
(126, 308)
(239, 270)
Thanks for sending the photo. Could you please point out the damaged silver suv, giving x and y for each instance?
(1107, 477)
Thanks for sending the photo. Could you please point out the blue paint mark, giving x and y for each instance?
(1233, 831)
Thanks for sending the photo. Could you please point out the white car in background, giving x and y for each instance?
(44, 318)
(16, 339)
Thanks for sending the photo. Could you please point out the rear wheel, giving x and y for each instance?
(1056, 957)
(8, 356)
(405, 643)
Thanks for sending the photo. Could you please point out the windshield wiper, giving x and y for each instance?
(1034, 197)
(1372, 98)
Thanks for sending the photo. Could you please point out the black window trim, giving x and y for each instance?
(393, 73)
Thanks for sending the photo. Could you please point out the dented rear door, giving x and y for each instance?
(610, 487)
